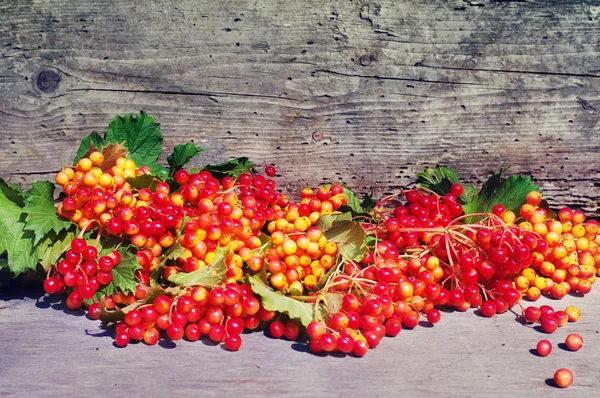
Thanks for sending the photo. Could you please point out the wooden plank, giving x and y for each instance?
(367, 93)
(48, 352)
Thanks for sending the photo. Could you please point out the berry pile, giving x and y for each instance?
(424, 253)
(175, 253)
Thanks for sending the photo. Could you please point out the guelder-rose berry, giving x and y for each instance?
(574, 342)
(563, 377)
(544, 348)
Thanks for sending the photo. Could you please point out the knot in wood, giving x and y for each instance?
(317, 136)
(48, 81)
(365, 60)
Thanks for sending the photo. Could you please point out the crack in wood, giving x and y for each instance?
(585, 105)
(524, 72)
(472, 4)
(403, 79)
(186, 93)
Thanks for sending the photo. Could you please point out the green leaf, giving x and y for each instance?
(212, 275)
(440, 179)
(106, 244)
(182, 154)
(232, 168)
(175, 251)
(53, 245)
(94, 140)
(12, 192)
(141, 136)
(40, 210)
(510, 192)
(123, 275)
(275, 301)
(14, 239)
(326, 221)
(350, 239)
(159, 171)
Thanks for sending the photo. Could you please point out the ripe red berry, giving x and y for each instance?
(270, 171)
(434, 315)
(276, 329)
(544, 348)
(563, 377)
(175, 332)
(122, 339)
(233, 342)
(549, 324)
(574, 342)
(456, 190)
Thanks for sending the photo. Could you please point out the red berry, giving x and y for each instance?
(563, 377)
(233, 342)
(544, 348)
(434, 315)
(456, 190)
(549, 324)
(276, 329)
(270, 171)
(574, 342)
(122, 339)
(175, 332)
(94, 311)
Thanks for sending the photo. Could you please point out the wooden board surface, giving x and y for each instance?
(47, 352)
(367, 93)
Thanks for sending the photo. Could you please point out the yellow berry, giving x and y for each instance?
(97, 158)
(84, 165)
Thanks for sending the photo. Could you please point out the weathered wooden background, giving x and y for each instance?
(368, 93)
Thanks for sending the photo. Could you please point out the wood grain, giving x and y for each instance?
(367, 93)
(48, 352)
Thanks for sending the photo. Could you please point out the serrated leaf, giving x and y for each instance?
(40, 210)
(440, 179)
(53, 245)
(182, 154)
(112, 152)
(123, 275)
(92, 142)
(14, 239)
(12, 192)
(326, 221)
(175, 251)
(233, 168)
(140, 135)
(350, 239)
(275, 301)
(212, 275)
(510, 192)
(159, 171)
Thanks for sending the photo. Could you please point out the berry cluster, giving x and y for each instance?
(222, 314)
(422, 254)
(81, 273)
